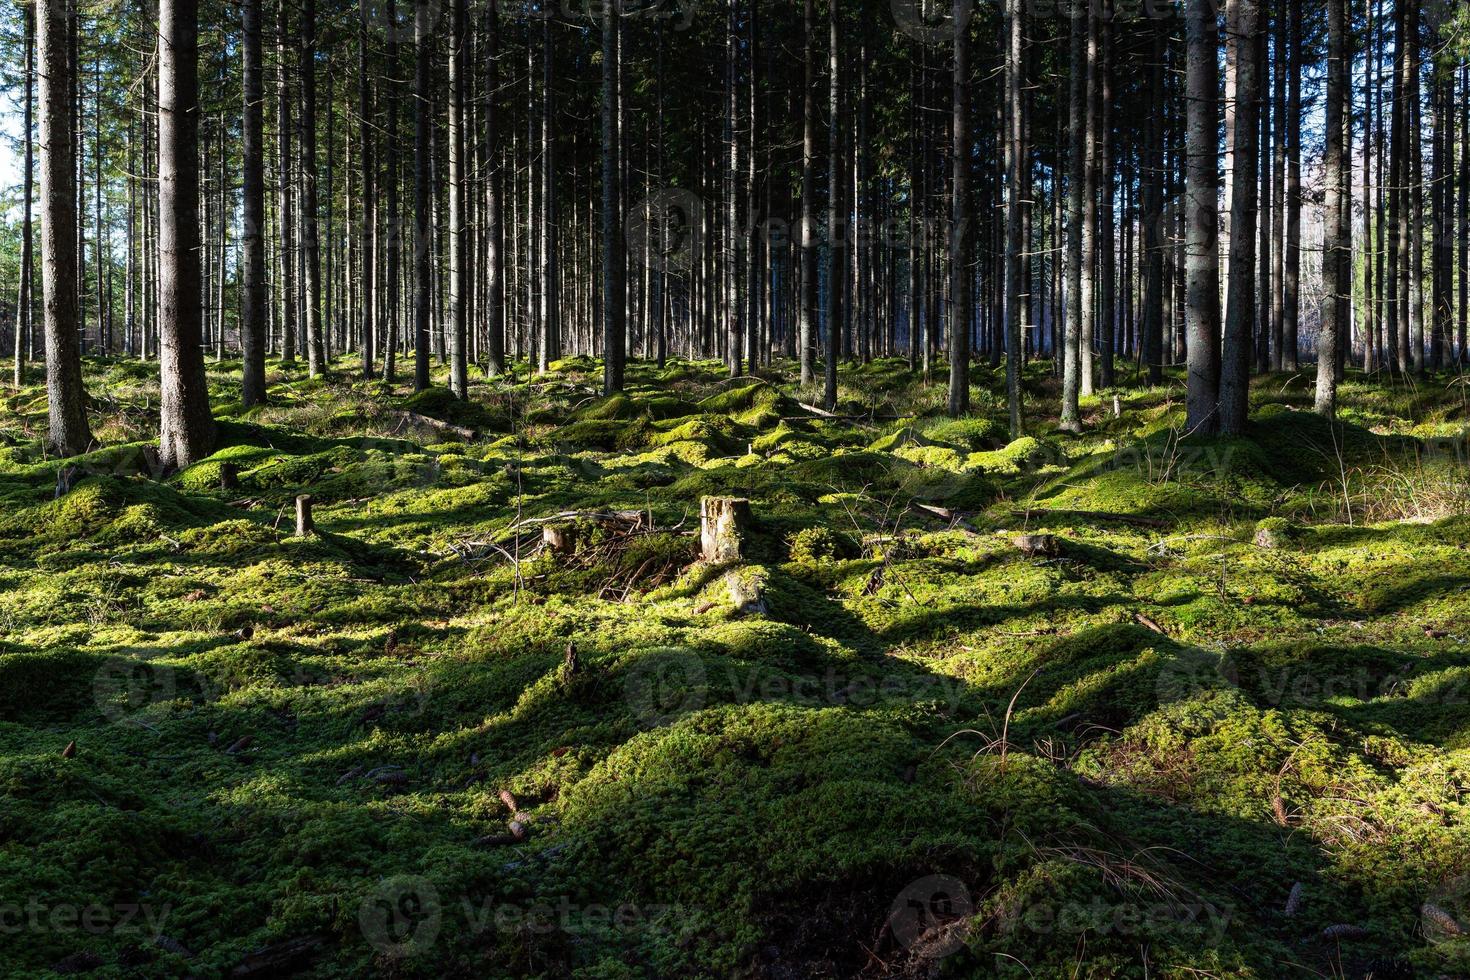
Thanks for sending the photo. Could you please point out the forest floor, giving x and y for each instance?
(1218, 724)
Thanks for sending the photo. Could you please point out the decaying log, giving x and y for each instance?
(438, 425)
(229, 476)
(723, 523)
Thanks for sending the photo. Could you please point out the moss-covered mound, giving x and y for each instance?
(1218, 726)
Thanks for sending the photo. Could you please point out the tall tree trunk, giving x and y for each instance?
(367, 274)
(836, 214)
(807, 308)
(459, 278)
(1016, 165)
(66, 399)
(186, 428)
(1240, 311)
(310, 237)
(23, 303)
(1291, 273)
(1202, 261)
(1088, 309)
(959, 223)
(1071, 417)
(614, 326)
(1152, 201)
(285, 214)
(392, 216)
(423, 27)
(494, 230)
(253, 317)
(1334, 236)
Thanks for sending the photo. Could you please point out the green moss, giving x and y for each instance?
(1106, 729)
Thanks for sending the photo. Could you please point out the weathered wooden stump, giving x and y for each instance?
(229, 476)
(559, 539)
(723, 523)
(304, 525)
(1038, 545)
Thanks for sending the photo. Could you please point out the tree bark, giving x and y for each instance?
(310, 237)
(614, 296)
(423, 27)
(1240, 311)
(836, 214)
(1071, 418)
(253, 299)
(807, 307)
(66, 398)
(23, 302)
(1016, 165)
(959, 226)
(1202, 260)
(186, 428)
(459, 279)
(285, 214)
(1333, 234)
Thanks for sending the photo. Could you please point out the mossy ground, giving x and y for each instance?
(929, 754)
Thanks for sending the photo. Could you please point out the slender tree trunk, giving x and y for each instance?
(614, 326)
(252, 326)
(367, 274)
(310, 240)
(1088, 309)
(1291, 273)
(1071, 417)
(186, 428)
(1240, 312)
(66, 399)
(494, 231)
(459, 279)
(1333, 235)
(285, 213)
(1202, 306)
(1016, 165)
(23, 303)
(836, 214)
(959, 225)
(423, 21)
(807, 309)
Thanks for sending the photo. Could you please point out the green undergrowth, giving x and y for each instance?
(1220, 726)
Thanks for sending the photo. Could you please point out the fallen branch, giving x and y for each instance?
(404, 416)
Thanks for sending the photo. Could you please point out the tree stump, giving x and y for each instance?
(304, 525)
(559, 539)
(229, 476)
(723, 522)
